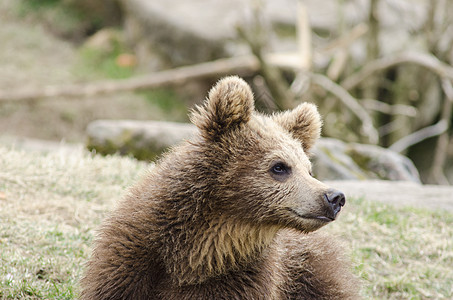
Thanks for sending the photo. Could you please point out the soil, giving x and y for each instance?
(34, 57)
(433, 197)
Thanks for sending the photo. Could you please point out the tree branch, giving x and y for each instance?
(396, 109)
(420, 135)
(367, 124)
(425, 60)
(237, 65)
(441, 151)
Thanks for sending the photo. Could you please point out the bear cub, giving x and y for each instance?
(229, 214)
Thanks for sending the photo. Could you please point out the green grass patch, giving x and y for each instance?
(40, 4)
(103, 64)
(169, 102)
(50, 206)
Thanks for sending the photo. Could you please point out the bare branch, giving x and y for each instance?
(425, 60)
(346, 40)
(367, 124)
(390, 127)
(397, 109)
(420, 135)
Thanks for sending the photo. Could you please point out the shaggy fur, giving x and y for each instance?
(215, 219)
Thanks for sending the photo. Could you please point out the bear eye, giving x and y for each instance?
(280, 171)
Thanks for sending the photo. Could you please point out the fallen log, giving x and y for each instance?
(236, 65)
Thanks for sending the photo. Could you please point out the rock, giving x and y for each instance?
(159, 31)
(189, 32)
(144, 140)
(107, 12)
(332, 159)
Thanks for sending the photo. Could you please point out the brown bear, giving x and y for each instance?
(227, 214)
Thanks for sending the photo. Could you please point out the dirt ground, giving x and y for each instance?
(30, 56)
(433, 197)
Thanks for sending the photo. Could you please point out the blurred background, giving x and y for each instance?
(380, 71)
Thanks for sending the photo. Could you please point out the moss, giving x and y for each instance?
(368, 164)
(361, 160)
(284, 30)
(332, 156)
(129, 147)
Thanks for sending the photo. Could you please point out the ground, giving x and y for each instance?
(34, 57)
(399, 193)
(51, 205)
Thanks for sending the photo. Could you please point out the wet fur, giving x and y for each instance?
(208, 222)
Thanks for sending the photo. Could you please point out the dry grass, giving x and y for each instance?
(51, 203)
(49, 206)
(399, 252)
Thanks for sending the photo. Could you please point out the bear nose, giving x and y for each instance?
(335, 200)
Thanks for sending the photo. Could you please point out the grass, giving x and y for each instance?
(399, 252)
(102, 63)
(50, 205)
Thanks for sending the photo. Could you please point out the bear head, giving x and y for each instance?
(260, 163)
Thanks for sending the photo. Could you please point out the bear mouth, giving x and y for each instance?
(311, 216)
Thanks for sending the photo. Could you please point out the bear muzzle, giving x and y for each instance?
(329, 206)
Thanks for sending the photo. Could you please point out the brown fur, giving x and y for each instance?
(211, 222)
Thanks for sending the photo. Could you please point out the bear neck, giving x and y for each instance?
(217, 248)
(199, 241)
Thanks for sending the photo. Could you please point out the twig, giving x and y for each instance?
(345, 41)
(337, 65)
(425, 60)
(351, 103)
(390, 127)
(420, 135)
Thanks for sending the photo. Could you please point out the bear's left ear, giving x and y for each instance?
(303, 122)
(230, 103)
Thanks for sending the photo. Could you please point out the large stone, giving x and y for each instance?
(144, 140)
(332, 159)
(173, 32)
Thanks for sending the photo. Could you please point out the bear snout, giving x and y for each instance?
(335, 200)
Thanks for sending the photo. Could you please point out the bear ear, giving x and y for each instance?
(230, 103)
(303, 122)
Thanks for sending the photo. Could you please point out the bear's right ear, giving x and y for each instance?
(230, 103)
